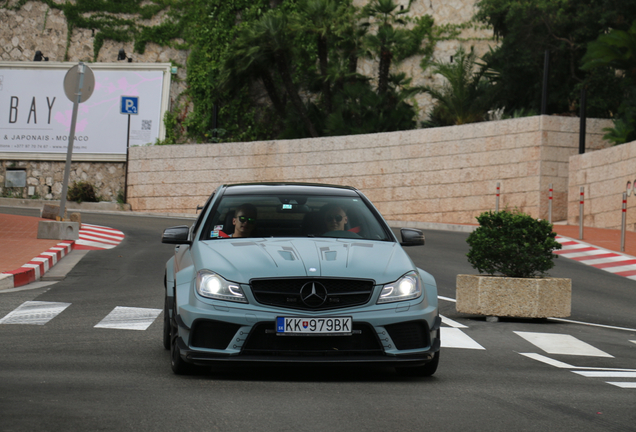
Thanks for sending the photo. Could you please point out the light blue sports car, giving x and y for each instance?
(291, 272)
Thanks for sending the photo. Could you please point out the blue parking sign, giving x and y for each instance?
(130, 104)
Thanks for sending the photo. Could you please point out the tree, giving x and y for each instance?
(466, 96)
(616, 51)
(526, 28)
(305, 57)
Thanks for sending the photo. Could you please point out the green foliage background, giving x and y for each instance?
(527, 28)
(510, 76)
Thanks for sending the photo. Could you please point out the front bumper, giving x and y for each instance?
(406, 335)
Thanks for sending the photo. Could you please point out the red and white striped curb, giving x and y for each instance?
(91, 237)
(34, 269)
(604, 259)
(95, 237)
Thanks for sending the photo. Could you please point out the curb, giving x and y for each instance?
(35, 269)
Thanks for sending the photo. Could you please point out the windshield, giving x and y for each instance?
(293, 216)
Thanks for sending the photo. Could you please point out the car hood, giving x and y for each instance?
(240, 260)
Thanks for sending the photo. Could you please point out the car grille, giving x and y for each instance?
(262, 341)
(409, 335)
(212, 334)
(312, 294)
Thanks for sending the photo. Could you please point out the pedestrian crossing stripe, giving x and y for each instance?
(590, 372)
(34, 313)
(129, 318)
(455, 338)
(555, 343)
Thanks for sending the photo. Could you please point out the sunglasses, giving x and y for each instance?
(244, 219)
(335, 217)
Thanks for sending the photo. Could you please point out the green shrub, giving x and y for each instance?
(81, 192)
(513, 244)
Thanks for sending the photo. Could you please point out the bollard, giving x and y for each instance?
(497, 199)
(624, 222)
(550, 204)
(581, 213)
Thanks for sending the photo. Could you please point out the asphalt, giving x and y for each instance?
(23, 255)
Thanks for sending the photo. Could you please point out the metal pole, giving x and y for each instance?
(71, 139)
(126, 176)
(581, 213)
(550, 204)
(497, 200)
(546, 73)
(624, 222)
(582, 126)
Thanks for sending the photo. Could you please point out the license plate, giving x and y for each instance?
(301, 326)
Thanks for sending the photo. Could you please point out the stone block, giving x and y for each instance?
(58, 230)
(51, 211)
(514, 297)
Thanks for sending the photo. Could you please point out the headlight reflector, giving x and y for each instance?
(211, 285)
(408, 287)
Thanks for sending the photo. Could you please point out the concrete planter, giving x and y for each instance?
(502, 296)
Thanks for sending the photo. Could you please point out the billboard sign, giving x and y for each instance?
(35, 114)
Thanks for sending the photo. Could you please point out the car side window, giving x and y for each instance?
(200, 218)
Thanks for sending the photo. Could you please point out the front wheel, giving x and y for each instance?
(425, 370)
(179, 366)
(166, 325)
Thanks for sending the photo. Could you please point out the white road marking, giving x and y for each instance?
(593, 325)
(548, 360)
(633, 341)
(559, 364)
(34, 313)
(129, 318)
(449, 322)
(455, 338)
(627, 385)
(554, 343)
(606, 374)
(446, 299)
(94, 244)
(99, 239)
(586, 253)
(604, 260)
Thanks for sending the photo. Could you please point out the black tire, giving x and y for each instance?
(425, 370)
(167, 333)
(179, 365)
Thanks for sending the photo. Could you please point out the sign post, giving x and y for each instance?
(79, 84)
(129, 106)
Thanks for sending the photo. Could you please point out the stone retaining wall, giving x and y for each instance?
(604, 176)
(44, 179)
(444, 175)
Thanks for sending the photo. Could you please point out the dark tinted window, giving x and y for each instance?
(296, 216)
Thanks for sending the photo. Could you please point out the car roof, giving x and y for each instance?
(290, 188)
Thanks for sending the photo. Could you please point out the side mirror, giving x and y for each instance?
(176, 235)
(412, 237)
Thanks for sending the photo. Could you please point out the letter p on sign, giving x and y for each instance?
(130, 104)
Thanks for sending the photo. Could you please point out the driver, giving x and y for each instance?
(335, 218)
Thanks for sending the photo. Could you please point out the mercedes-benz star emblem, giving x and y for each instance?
(313, 294)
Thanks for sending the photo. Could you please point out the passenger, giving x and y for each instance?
(334, 217)
(244, 220)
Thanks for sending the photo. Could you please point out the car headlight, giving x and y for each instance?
(408, 287)
(213, 286)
